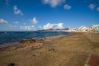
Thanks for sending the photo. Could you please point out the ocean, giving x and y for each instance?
(6, 37)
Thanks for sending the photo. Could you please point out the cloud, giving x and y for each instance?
(17, 11)
(92, 6)
(3, 21)
(67, 7)
(28, 28)
(53, 26)
(53, 3)
(34, 21)
(97, 8)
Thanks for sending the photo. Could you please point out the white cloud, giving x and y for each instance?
(54, 26)
(92, 6)
(53, 3)
(28, 28)
(34, 21)
(67, 7)
(45, 1)
(3, 21)
(97, 8)
(17, 11)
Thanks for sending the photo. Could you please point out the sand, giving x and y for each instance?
(69, 50)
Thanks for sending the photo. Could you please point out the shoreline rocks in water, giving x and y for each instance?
(28, 41)
(31, 40)
(33, 43)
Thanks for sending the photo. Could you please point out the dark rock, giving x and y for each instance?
(11, 64)
(28, 41)
(51, 49)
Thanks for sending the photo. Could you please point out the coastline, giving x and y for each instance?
(70, 50)
(44, 38)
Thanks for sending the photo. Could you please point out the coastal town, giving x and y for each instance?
(92, 28)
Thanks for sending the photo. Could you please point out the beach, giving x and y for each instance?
(67, 50)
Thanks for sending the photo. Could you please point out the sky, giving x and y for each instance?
(29, 15)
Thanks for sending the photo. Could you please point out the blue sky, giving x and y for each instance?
(20, 15)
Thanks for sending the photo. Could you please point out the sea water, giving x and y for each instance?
(6, 37)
